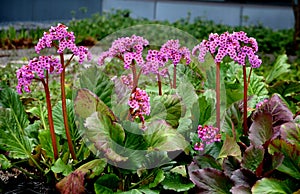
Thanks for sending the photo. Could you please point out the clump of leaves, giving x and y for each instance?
(267, 162)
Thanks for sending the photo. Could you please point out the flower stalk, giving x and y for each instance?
(50, 118)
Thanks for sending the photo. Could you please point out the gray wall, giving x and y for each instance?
(46, 10)
(276, 17)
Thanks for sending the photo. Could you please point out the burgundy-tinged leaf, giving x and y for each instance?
(209, 180)
(240, 190)
(243, 177)
(279, 111)
(230, 164)
(261, 129)
(290, 132)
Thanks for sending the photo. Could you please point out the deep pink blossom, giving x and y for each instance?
(60, 37)
(175, 53)
(237, 46)
(208, 135)
(36, 69)
(128, 49)
(139, 103)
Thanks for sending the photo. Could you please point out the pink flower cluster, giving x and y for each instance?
(126, 48)
(139, 103)
(66, 40)
(154, 61)
(236, 45)
(36, 67)
(208, 134)
(174, 52)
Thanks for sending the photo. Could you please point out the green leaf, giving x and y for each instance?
(105, 135)
(12, 139)
(168, 108)
(93, 168)
(46, 143)
(9, 99)
(279, 68)
(4, 162)
(261, 129)
(162, 137)
(209, 180)
(58, 120)
(133, 191)
(291, 161)
(291, 132)
(205, 108)
(60, 167)
(253, 157)
(176, 183)
(158, 178)
(230, 148)
(100, 125)
(285, 88)
(97, 82)
(273, 186)
(207, 161)
(109, 181)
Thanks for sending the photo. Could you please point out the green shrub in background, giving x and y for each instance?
(90, 30)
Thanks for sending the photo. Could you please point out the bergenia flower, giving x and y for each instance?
(208, 135)
(139, 103)
(62, 39)
(36, 69)
(128, 49)
(155, 61)
(236, 45)
(175, 53)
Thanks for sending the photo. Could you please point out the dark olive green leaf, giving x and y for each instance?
(109, 181)
(168, 108)
(46, 143)
(230, 148)
(279, 68)
(161, 136)
(12, 139)
(159, 177)
(291, 161)
(105, 135)
(207, 161)
(285, 88)
(58, 120)
(97, 82)
(9, 99)
(291, 132)
(100, 125)
(253, 157)
(93, 168)
(273, 186)
(176, 183)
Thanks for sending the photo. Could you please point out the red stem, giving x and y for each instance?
(64, 107)
(245, 101)
(159, 85)
(174, 77)
(50, 118)
(218, 103)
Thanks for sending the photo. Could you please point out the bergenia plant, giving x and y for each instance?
(157, 59)
(39, 69)
(239, 47)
